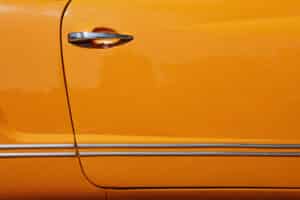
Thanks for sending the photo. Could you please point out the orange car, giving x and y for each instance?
(144, 99)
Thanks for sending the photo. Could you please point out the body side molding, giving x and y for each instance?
(147, 153)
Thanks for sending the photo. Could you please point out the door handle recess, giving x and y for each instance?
(98, 39)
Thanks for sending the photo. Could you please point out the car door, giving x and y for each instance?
(33, 104)
(37, 154)
(205, 95)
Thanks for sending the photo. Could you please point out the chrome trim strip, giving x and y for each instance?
(147, 153)
(195, 145)
(36, 146)
(191, 153)
(186, 145)
(39, 154)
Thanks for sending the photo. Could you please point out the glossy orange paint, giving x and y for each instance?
(33, 102)
(33, 105)
(211, 194)
(45, 178)
(189, 93)
(197, 71)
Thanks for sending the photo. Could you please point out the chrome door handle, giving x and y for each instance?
(98, 39)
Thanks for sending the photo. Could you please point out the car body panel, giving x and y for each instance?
(45, 178)
(204, 193)
(34, 116)
(33, 106)
(197, 72)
